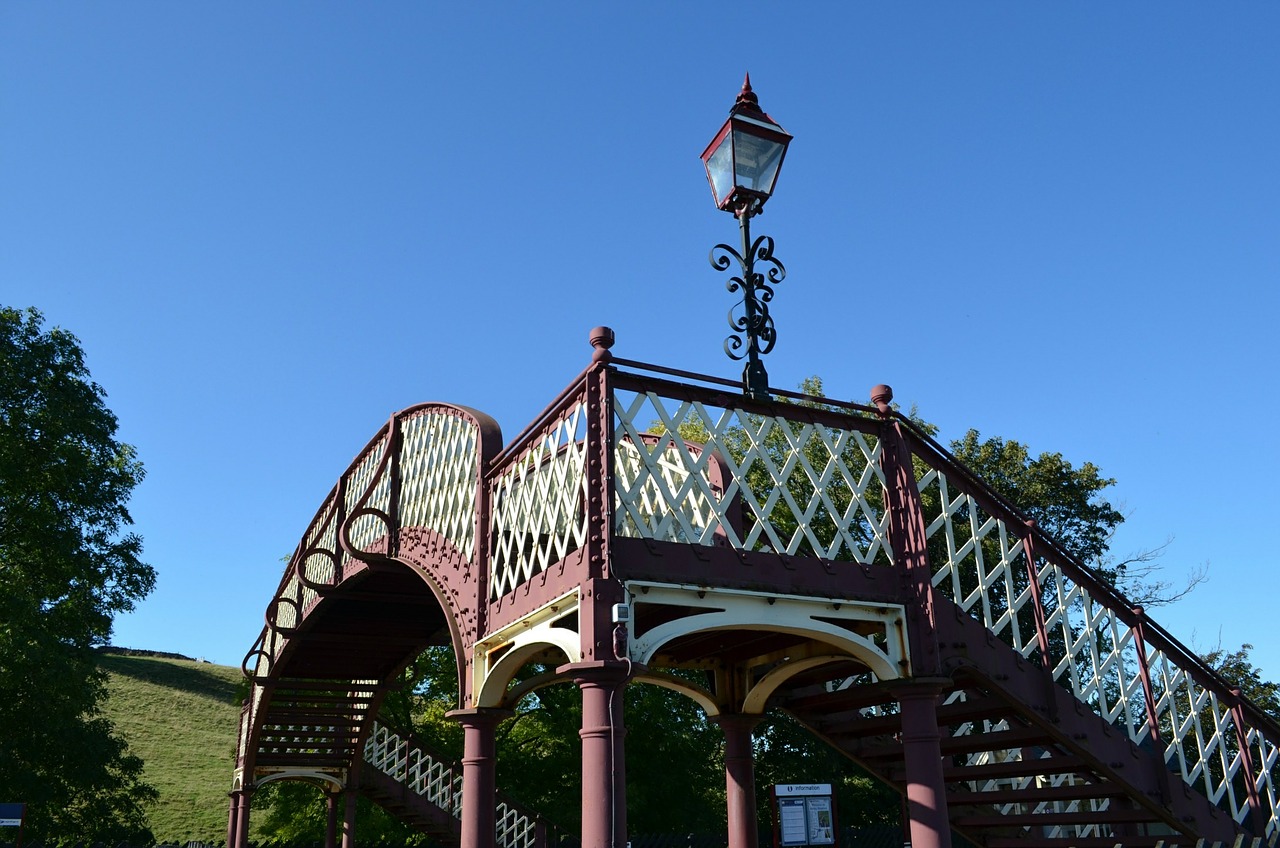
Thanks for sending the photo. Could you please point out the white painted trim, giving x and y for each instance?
(524, 638)
(742, 610)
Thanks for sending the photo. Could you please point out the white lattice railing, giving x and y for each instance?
(979, 559)
(799, 482)
(439, 475)
(425, 463)
(806, 481)
(440, 782)
(538, 516)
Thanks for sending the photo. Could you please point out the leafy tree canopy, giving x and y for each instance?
(68, 565)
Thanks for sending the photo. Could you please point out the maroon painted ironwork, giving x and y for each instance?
(1144, 671)
(827, 558)
(1246, 761)
(909, 539)
(922, 763)
(604, 782)
(1033, 579)
(479, 775)
(740, 781)
(745, 156)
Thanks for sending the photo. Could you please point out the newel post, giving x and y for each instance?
(921, 738)
(907, 537)
(599, 470)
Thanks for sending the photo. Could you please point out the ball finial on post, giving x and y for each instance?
(601, 339)
(881, 395)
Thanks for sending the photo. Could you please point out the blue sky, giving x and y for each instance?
(271, 225)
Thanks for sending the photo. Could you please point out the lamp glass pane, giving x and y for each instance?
(720, 168)
(756, 160)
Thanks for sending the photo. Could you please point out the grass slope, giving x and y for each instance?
(180, 717)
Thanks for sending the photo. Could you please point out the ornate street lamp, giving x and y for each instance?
(742, 164)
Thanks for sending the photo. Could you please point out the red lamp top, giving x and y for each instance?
(744, 158)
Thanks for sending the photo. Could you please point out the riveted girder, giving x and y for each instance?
(799, 553)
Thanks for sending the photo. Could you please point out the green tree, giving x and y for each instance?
(1238, 669)
(68, 565)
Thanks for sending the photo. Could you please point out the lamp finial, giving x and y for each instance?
(747, 99)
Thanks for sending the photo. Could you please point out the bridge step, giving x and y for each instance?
(410, 807)
(1089, 842)
(1026, 766)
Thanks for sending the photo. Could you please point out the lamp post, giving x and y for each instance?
(742, 163)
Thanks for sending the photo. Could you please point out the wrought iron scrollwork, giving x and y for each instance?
(749, 317)
(753, 331)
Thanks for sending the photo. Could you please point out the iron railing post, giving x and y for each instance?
(1246, 761)
(599, 470)
(1149, 696)
(908, 538)
(1037, 603)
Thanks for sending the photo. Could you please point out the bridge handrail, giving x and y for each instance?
(1161, 671)
(537, 489)
(1112, 655)
(437, 778)
(364, 509)
(801, 479)
(1082, 573)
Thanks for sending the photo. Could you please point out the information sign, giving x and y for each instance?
(805, 814)
(11, 814)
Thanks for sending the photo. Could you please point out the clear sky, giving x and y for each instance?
(272, 225)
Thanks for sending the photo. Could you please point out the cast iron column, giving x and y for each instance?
(232, 812)
(922, 756)
(479, 775)
(331, 819)
(740, 779)
(349, 819)
(604, 769)
(242, 819)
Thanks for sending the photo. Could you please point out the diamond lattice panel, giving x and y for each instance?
(367, 479)
(538, 515)
(1098, 653)
(794, 486)
(980, 564)
(438, 474)
(319, 548)
(1266, 763)
(1199, 733)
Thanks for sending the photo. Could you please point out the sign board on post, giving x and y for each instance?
(11, 815)
(804, 814)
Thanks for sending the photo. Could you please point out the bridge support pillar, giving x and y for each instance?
(238, 829)
(740, 779)
(349, 818)
(231, 818)
(479, 775)
(331, 819)
(922, 755)
(604, 768)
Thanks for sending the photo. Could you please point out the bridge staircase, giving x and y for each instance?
(423, 788)
(823, 556)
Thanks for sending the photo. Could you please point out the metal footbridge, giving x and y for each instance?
(824, 558)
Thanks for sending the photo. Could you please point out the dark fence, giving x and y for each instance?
(884, 836)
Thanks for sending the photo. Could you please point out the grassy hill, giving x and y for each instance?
(180, 717)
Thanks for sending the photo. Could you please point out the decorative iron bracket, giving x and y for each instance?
(749, 318)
